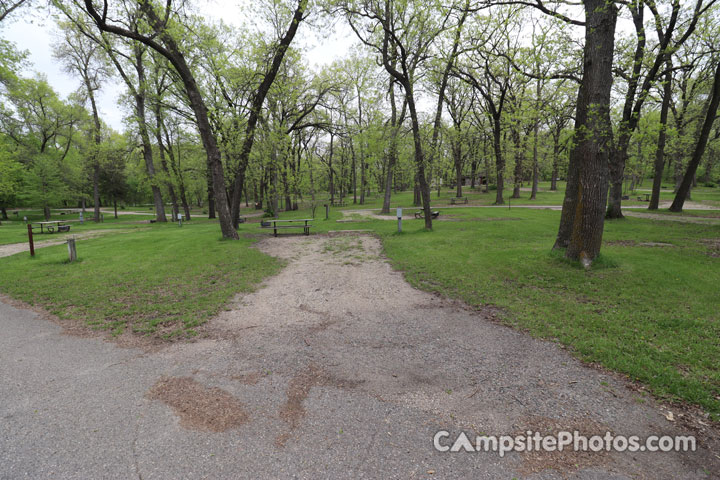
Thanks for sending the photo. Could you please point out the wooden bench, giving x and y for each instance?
(273, 224)
(458, 200)
(421, 214)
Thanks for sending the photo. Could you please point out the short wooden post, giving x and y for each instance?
(30, 239)
(71, 249)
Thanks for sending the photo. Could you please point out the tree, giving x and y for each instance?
(492, 80)
(637, 91)
(402, 33)
(82, 57)
(710, 117)
(158, 30)
(582, 218)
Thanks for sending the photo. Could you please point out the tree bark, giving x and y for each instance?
(97, 139)
(660, 152)
(163, 163)
(710, 114)
(519, 154)
(499, 160)
(141, 119)
(582, 220)
(392, 148)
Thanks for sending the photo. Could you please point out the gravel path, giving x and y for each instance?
(335, 368)
(673, 218)
(13, 248)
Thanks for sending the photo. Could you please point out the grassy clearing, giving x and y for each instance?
(15, 230)
(648, 311)
(163, 281)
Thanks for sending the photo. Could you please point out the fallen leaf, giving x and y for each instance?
(670, 417)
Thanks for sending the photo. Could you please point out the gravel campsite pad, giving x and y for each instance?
(334, 368)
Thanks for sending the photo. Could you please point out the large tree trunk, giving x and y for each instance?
(536, 130)
(331, 179)
(148, 157)
(140, 98)
(687, 180)
(392, 150)
(556, 161)
(519, 154)
(163, 163)
(499, 160)
(582, 220)
(457, 160)
(660, 152)
(177, 171)
(3, 212)
(423, 185)
(210, 194)
(617, 175)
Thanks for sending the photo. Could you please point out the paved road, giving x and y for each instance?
(292, 384)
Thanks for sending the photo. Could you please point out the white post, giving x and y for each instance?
(399, 217)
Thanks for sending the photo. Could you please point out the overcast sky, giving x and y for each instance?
(37, 35)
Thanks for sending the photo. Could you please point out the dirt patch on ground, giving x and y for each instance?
(199, 407)
(672, 218)
(633, 243)
(455, 218)
(293, 410)
(713, 245)
(14, 248)
(566, 461)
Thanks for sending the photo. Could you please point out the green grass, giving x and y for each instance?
(651, 313)
(648, 312)
(164, 281)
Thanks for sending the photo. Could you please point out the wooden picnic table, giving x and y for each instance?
(50, 226)
(273, 223)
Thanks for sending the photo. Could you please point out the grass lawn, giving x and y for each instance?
(163, 280)
(651, 312)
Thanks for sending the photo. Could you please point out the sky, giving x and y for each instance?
(36, 35)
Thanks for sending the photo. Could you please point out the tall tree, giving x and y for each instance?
(158, 30)
(83, 57)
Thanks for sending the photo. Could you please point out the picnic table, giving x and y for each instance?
(458, 200)
(273, 224)
(50, 226)
(421, 214)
